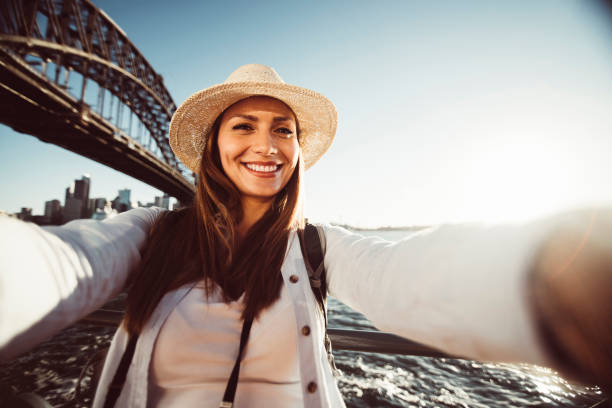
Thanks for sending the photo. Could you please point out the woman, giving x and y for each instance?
(482, 292)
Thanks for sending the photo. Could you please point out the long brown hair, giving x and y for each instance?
(200, 242)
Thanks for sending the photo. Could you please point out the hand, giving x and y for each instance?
(572, 297)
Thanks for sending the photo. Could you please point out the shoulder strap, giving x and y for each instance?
(120, 375)
(313, 253)
(232, 383)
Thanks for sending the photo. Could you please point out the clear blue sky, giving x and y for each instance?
(449, 111)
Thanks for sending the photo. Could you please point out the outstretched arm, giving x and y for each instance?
(465, 289)
(51, 277)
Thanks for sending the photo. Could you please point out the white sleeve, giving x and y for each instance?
(51, 277)
(459, 288)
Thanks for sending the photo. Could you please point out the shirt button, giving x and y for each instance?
(312, 387)
(305, 330)
(293, 278)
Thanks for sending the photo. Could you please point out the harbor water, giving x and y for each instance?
(53, 369)
(387, 380)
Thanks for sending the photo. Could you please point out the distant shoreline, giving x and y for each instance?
(387, 228)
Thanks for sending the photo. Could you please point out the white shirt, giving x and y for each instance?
(197, 347)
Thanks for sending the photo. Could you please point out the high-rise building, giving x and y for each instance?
(124, 196)
(122, 202)
(53, 212)
(72, 209)
(81, 188)
(81, 191)
(69, 192)
(163, 201)
(77, 200)
(98, 203)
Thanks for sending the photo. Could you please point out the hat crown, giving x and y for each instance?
(254, 73)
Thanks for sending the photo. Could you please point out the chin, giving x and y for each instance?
(264, 196)
(263, 193)
(257, 191)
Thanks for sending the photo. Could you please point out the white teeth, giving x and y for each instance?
(263, 169)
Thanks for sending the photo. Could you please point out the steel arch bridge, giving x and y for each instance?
(70, 76)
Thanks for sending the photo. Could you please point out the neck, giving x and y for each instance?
(253, 209)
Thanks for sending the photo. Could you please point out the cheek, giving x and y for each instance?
(228, 150)
(291, 152)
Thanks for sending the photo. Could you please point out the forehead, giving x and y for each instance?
(260, 103)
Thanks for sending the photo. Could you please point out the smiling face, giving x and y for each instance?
(258, 146)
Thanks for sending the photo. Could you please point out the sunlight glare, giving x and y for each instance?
(521, 180)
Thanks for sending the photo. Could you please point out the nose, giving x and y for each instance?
(264, 143)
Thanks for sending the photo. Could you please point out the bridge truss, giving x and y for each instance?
(70, 76)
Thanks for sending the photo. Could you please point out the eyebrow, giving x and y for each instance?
(255, 118)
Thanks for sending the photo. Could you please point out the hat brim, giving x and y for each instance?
(316, 115)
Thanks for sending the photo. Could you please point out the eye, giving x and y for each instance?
(286, 132)
(242, 126)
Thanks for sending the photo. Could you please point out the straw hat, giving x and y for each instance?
(316, 115)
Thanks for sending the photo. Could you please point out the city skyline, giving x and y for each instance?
(79, 203)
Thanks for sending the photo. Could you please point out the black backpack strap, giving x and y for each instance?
(312, 251)
(114, 390)
(232, 383)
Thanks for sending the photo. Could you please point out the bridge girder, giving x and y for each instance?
(34, 105)
(79, 37)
